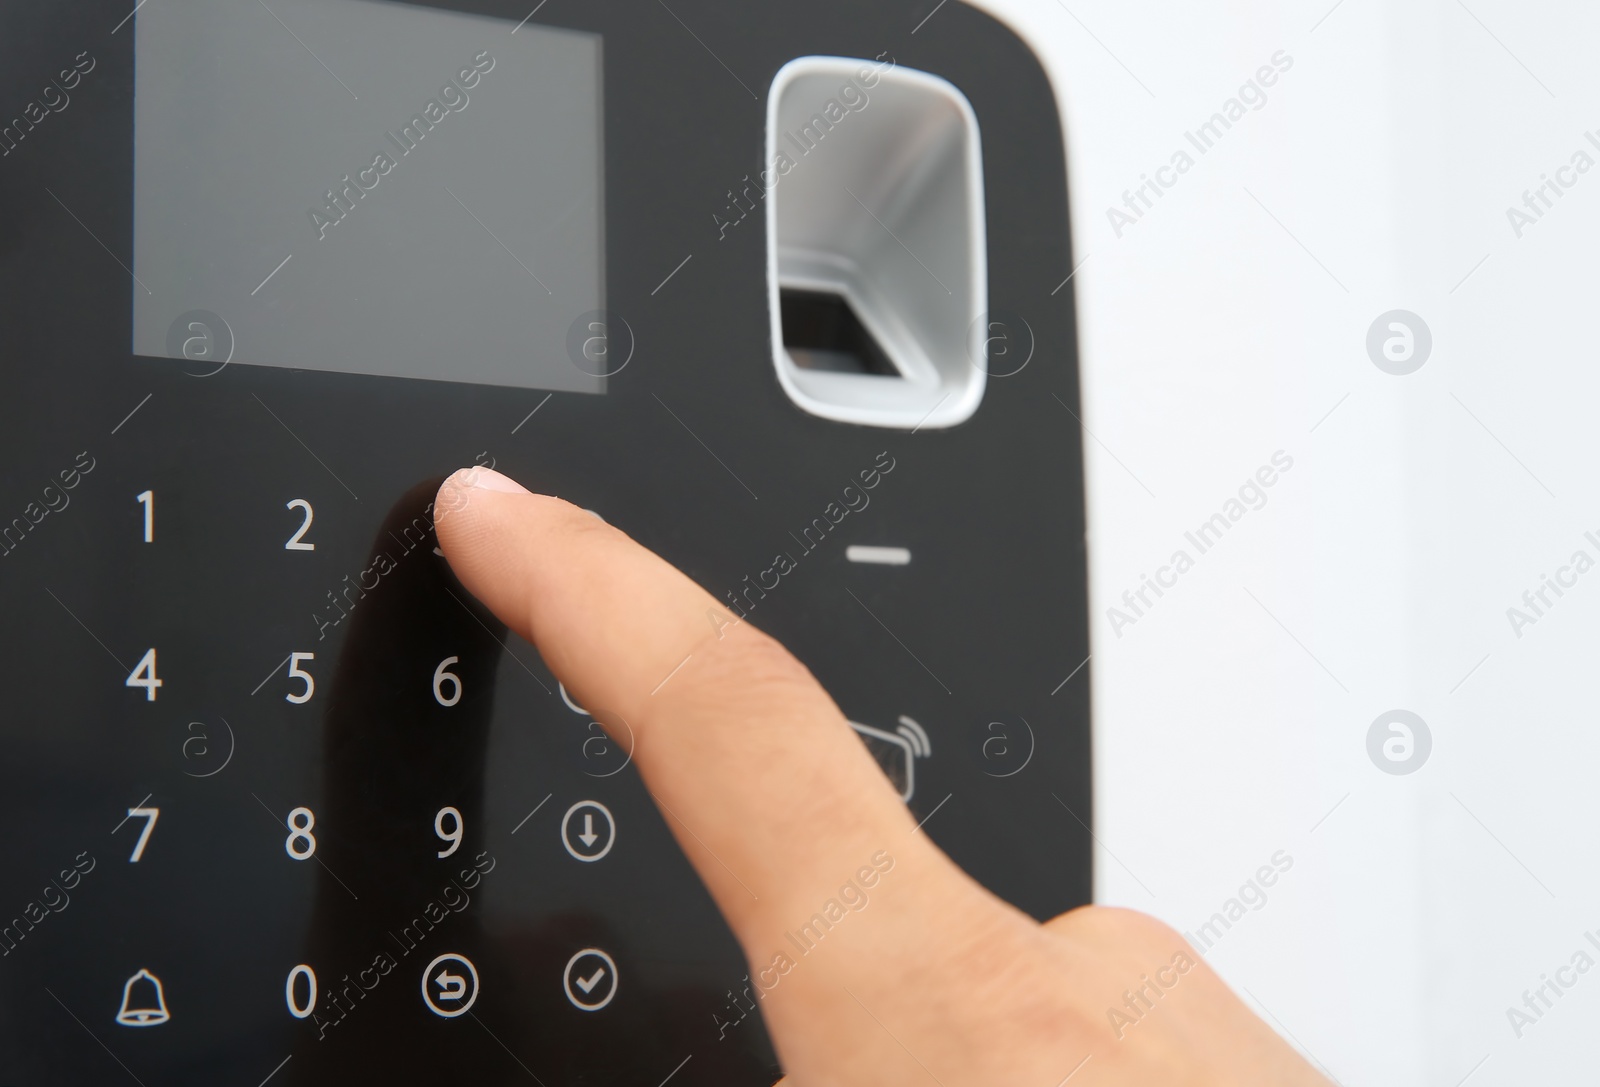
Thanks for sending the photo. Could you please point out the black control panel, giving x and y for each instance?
(283, 803)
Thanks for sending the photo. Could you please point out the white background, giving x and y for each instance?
(1231, 719)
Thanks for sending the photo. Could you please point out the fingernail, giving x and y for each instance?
(487, 479)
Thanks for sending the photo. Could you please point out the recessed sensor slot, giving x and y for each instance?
(822, 332)
(876, 244)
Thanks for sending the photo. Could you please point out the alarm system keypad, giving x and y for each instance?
(350, 774)
(325, 1000)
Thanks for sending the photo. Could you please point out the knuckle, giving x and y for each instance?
(1118, 926)
(746, 678)
(752, 664)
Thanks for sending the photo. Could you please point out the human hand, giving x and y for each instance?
(778, 805)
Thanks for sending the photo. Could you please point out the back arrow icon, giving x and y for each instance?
(588, 836)
(451, 986)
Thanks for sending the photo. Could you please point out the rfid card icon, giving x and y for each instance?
(897, 752)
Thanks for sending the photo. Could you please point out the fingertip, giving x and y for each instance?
(458, 493)
(457, 489)
(490, 480)
(497, 536)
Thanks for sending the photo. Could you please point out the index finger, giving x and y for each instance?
(767, 788)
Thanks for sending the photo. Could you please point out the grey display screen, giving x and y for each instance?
(367, 187)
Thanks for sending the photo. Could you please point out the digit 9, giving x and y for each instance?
(454, 834)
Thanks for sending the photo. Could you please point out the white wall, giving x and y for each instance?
(1224, 325)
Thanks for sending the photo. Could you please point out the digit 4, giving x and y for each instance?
(144, 675)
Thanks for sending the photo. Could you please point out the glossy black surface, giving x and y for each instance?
(991, 610)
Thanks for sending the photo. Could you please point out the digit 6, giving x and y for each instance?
(441, 677)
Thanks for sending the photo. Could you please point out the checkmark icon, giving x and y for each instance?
(590, 994)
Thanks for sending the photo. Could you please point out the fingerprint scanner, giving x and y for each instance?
(876, 244)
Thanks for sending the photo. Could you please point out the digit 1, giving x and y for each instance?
(148, 499)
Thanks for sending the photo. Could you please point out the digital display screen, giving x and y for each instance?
(369, 188)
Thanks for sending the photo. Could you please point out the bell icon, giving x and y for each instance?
(143, 1002)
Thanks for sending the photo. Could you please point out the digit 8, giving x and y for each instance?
(300, 822)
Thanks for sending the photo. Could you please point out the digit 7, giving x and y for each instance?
(149, 815)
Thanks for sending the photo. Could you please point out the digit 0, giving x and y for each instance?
(297, 1009)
